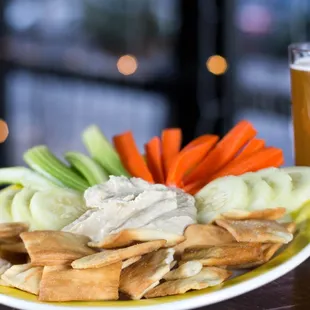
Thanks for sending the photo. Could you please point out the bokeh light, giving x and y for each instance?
(217, 64)
(4, 131)
(127, 64)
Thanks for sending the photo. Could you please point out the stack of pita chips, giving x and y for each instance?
(61, 266)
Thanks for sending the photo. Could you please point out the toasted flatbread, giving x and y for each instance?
(24, 277)
(62, 283)
(4, 266)
(265, 214)
(186, 270)
(264, 231)
(49, 248)
(203, 235)
(107, 257)
(269, 249)
(126, 263)
(18, 247)
(12, 230)
(130, 236)
(142, 276)
(226, 254)
(206, 277)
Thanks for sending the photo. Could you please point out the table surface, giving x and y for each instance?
(291, 291)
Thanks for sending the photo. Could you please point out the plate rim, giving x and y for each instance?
(190, 303)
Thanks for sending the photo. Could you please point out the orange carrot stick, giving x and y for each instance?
(223, 152)
(130, 156)
(154, 159)
(199, 140)
(268, 157)
(188, 158)
(253, 146)
(171, 143)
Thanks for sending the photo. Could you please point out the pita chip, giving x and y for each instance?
(225, 255)
(107, 257)
(4, 266)
(269, 249)
(203, 235)
(12, 230)
(206, 277)
(128, 237)
(142, 276)
(126, 263)
(186, 270)
(18, 247)
(264, 231)
(48, 248)
(62, 283)
(265, 214)
(24, 277)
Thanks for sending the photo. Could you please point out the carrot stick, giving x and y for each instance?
(253, 146)
(154, 160)
(223, 152)
(193, 188)
(171, 143)
(130, 156)
(188, 158)
(268, 157)
(199, 140)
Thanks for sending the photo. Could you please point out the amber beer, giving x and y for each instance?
(300, 90)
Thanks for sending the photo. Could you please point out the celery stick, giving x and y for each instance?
(40, 159)
(25, 177)
(88, 167)
(102, 151)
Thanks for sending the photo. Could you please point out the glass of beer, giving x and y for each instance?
(299, 59)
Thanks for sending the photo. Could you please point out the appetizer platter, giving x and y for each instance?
(179, 227)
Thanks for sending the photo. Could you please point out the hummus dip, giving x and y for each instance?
(123, 203)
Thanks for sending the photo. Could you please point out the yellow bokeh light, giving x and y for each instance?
(127, 64)
(4, 131)
(217, 64)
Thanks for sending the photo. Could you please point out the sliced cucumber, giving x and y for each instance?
(21, 207)
(6, 198)
(260, 192)
(301, 189)
(88, 167)
(44, 162)
(53, 209)
(102, 151)
(282, 185)
(25, 177)
(220, 195)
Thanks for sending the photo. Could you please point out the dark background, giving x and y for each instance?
(58, 62)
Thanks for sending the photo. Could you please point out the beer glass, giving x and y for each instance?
(299, 60)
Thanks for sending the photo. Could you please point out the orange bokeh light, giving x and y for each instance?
(127, 64)
(217, 64)
(4, 131)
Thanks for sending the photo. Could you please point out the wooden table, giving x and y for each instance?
(291, 291)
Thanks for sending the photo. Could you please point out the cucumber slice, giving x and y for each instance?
(54, 209)
(260, 192)
(281, 183)
(25, 177)
(102, 151)
(6, 198)
(44, 162)
(88, 167)
(20, 207)
(301, 189)
(220, 195)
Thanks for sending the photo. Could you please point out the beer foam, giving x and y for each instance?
(301, 64)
